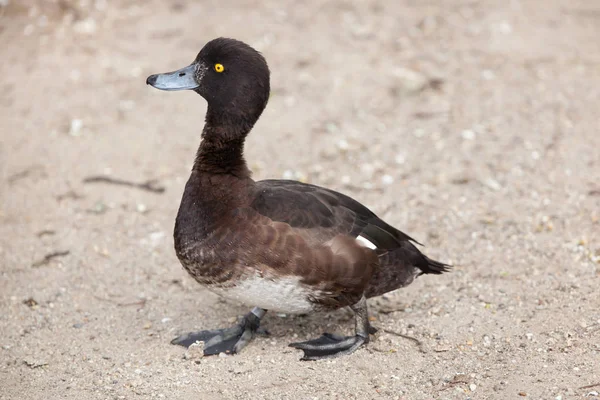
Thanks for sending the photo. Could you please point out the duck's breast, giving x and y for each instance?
(282, 294)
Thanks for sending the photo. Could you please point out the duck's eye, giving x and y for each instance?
(219, 68)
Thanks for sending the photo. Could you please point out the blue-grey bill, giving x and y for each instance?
(182, 79)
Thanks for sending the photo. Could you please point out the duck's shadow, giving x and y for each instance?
(288, 327)
(278, 325)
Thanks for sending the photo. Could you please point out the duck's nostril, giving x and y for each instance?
(182, 74)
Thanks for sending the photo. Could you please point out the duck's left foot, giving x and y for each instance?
(229, 340)
(329, 346)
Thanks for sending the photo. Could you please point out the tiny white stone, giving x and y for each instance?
(419, 133)
(343, 144)
(472, 387)
(488, 75)
(387, 179)
(492, 184)
(156, 237)
(505, 28)
(468, 134)
(367, 168)
(86, 26)
(76, 125)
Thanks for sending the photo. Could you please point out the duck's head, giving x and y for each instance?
(229, 74)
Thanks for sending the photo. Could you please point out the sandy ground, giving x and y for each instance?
(471, 125)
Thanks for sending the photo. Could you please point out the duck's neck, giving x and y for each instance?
(222, 148)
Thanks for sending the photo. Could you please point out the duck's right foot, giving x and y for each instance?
(329, 346)
(229, 340)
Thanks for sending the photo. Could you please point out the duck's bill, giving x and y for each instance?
(182, 79)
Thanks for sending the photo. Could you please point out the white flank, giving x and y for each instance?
(284, 294)
(365, 242)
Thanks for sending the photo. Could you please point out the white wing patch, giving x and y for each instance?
(366, 242)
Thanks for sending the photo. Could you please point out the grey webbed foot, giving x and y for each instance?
(329, 346)
(229, 340)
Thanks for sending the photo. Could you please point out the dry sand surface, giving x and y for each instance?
(474, 126)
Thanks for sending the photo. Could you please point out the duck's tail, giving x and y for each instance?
(433, 267)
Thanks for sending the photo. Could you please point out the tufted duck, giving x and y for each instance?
(274, 244)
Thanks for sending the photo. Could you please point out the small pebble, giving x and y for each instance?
(487, 74)
(387, 179)
(472, 387)
(195, 351)
(343, 144)
(76, 126)
(468, 134)
(492, 184)
(86, 26)
(411, 81)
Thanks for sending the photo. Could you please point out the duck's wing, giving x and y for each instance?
(321, 214)
(320, 234)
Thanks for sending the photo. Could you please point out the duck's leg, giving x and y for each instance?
(331, 345)
(229, 340)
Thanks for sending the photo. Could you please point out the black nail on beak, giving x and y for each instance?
(151, 80)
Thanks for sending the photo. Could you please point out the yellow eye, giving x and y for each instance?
(219, 68)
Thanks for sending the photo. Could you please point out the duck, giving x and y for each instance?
(278, 245)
